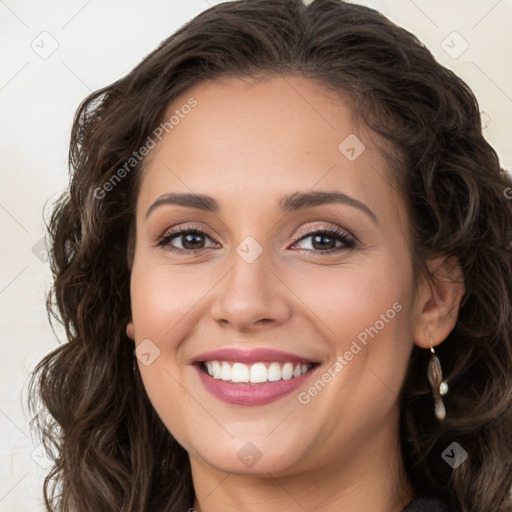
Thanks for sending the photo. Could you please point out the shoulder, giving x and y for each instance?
(426, 504)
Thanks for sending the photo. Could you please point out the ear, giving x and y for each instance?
(130, 331)
(438, 301)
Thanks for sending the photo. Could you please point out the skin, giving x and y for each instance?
(247, 144)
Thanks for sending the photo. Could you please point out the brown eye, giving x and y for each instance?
(324, 241)
(185, 240)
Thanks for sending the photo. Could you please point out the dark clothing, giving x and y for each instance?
(426, 505)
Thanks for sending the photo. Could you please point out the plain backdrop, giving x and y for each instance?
(53, 54)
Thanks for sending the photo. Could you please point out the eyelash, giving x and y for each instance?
(336, 233)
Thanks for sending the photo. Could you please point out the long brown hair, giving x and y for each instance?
(111, 451)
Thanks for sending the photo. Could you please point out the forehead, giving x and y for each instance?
(256, 139)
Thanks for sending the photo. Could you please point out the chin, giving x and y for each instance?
(247, 458)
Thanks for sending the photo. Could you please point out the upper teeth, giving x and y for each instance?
(255, 373)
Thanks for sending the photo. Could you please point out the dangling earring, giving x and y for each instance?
(439, 386)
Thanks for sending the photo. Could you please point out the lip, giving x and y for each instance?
(257, 355)
(252, 394)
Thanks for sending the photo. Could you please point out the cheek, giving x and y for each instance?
(162, 299)
(349, 299)
(363, 311)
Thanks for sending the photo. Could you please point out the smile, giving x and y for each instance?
(256, 373)
(234, 385)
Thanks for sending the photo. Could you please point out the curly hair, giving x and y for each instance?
(110, 450)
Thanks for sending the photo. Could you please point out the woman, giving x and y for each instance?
(284, 270)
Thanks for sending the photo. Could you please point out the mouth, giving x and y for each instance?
(237, 372)
(256, 384)
(239, 376)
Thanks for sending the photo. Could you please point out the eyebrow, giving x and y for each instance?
(293, 202)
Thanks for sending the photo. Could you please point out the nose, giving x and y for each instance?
(251, 297)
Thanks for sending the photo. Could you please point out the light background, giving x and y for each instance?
(98, 42)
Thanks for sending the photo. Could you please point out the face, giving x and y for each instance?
(291, 281)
